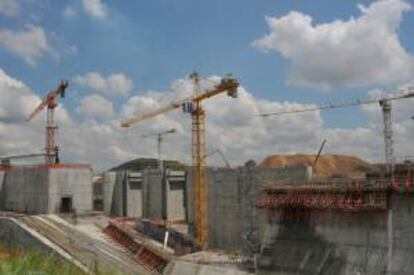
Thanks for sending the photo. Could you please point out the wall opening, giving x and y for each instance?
(66, 204)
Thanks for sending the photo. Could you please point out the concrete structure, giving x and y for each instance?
(233, 221)
(82, 243)
(16, 235)
(145, 194)
(366, 240)
(45, 189)
(178, 267)
(97, 183)
(232, 216)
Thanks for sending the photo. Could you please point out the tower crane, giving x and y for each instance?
(192, 105)
(160, 138)
(50, 102)
(384, 102)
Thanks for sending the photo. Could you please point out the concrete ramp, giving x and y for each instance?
(82, 243)
(16, 235)
(187, 268)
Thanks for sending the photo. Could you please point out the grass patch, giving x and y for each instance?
(35, 263)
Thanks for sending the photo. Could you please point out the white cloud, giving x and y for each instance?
(69, 11)
(96, 106)
(115, 84)
(9, 8)
(16, 99)
(95, 8)
(30, 44)
(231, 125)
(360, 51)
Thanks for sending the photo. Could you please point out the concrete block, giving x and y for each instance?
(40, 189)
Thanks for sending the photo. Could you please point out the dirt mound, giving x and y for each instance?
(327, 165)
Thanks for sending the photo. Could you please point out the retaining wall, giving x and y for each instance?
(333, 242)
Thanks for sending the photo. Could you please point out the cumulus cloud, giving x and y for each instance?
(231, 125)
(16, 99)
(30, 44)
(360, 51)
(9, 8)
(95, 8)
(114, 84)
(96, 106)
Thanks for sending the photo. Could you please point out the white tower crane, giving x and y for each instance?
(160, 139)
(384, 102)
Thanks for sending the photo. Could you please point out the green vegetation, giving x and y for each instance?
(143, 163)
(35, 264)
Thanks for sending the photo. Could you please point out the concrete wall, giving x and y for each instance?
(233, 222)
(232, 195)
(134, 199)
(26, 190)
(154, 195)
(108, 192)
(144, 194)
(323, 242)
(2, 193)
(175, 188)
(39, 189)
(73, 183)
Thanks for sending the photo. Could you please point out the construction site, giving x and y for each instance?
(289, 214)
(206, 137)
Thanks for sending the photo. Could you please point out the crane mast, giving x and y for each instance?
(51, 132)
(160, 139)
(199, 164)
(388, 136)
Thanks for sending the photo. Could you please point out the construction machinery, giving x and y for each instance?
(222, 156)
(319, 153)
(384, 102)
(192, 105)
(160, 138)
(50, 102)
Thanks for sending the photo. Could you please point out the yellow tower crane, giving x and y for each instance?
(192, 105)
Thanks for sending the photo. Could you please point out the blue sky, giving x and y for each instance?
(154, 43)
